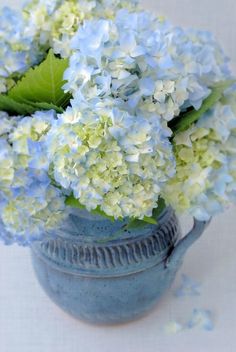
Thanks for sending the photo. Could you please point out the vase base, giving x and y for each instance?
(105, 301)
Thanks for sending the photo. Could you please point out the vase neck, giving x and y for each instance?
(83, 225)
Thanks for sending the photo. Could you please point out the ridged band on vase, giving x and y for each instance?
(120, 256)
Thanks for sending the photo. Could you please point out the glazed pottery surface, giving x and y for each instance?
(100, 272)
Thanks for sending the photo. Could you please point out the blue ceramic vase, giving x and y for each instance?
(102, 273)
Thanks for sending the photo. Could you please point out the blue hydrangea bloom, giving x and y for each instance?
(144, 62)
(18, 48)
(188, 287)
(30, 205)
(201, 318)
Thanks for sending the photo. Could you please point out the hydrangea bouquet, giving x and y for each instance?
(106, 107)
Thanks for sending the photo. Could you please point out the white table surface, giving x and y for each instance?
(30, 322)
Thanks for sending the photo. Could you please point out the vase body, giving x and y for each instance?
(101, 273)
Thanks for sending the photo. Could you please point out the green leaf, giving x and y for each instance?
(99, 212)
(43, 83)
(185, 120)
(13, 107)
(157, 211)
(27, 108)
(46, 106)
(150, 220)
(136, 223)
(71, 201)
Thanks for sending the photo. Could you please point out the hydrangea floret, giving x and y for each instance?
(109, 108)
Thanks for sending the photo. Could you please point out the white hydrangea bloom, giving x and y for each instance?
(111, 159)
(145, 62)
(205, 182)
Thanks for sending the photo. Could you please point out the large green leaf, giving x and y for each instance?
(43, 83)
(185, 120)
(13, 107)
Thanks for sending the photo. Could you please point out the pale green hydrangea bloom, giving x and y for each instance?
(205, 181)
(111, 159)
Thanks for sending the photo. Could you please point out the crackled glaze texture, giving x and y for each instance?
(101, 273)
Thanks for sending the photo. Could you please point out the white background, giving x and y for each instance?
(29, 322)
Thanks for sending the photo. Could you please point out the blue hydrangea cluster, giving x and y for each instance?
(130, 73)
(145, 62)
(29, 204)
